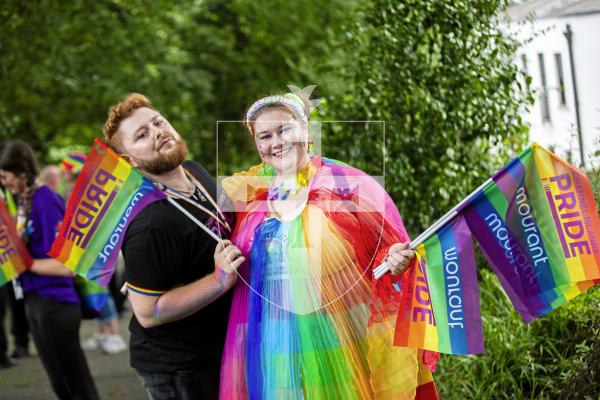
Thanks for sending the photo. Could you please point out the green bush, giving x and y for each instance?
(554, 357)
(441, 75)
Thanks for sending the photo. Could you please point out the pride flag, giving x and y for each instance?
(14, 257)
(537, 223)
(73, 162)
(107, 195)
(93, 297)
(440, 304)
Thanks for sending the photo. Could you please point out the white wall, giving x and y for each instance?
(560, 130)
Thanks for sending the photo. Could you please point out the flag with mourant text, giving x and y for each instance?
(107, 195)
(439, 309)
(14, 257)
(537, 223)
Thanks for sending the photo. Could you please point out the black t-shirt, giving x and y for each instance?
(164, 249)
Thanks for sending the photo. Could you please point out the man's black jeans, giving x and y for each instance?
(181, 385)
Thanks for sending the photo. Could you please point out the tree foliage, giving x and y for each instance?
(200, 62)
(441, 75)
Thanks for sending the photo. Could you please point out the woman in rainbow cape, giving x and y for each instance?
(307, 319)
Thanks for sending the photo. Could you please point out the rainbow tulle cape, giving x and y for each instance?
(307, 321)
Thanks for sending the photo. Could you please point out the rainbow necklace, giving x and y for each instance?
(291, 186)
(284, 190)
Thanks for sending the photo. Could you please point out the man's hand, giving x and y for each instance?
(228, 258)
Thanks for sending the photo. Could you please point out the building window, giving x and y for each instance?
(544, 90)
(525, 70)
(561, 79)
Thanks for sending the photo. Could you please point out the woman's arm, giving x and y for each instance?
(50, 267)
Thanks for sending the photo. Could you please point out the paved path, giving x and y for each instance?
(115, 379)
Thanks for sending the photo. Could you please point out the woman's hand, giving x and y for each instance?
(399, 257)
(228, 258)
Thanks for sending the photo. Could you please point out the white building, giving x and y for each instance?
(547, 59)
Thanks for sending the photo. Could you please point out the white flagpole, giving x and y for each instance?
(194, 219)
(379, 271)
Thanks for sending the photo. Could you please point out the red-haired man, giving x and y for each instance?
(177, 275)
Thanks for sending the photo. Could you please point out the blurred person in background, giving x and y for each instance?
(5, 360)
(51, 176)
(13, 296)
(51, 303)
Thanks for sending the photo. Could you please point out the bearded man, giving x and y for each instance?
(178, 277)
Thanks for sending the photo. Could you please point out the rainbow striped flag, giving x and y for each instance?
(537, 223)
(14, 257)
(93, 297)
(73, 162)
(107, 195)
(440, 306)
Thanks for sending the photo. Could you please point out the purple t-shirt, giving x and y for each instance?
(47, 211)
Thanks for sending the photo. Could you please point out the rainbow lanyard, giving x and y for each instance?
(204, 195)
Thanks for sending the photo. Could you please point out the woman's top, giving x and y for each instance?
(307, 319)
(38, 230)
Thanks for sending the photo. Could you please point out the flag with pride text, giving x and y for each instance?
(107, 195)
(537, 223)
(440, 304)
(14, 257)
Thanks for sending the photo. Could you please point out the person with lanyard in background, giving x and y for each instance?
(178, 276)
(51, 303)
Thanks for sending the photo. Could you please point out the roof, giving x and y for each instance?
(552, 8)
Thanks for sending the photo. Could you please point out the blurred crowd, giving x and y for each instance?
(15, 330)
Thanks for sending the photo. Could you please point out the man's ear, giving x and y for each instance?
(130, 160)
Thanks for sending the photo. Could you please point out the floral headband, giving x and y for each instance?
(290, 100)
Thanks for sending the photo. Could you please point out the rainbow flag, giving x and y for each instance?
(107, 195)
(73, 162)
(93, 297)
(14, 257)
(537, 223)
(440, 307)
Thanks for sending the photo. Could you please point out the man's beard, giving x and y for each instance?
(168, 161)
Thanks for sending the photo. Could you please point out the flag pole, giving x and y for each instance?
(447, 217)
(383, 268)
